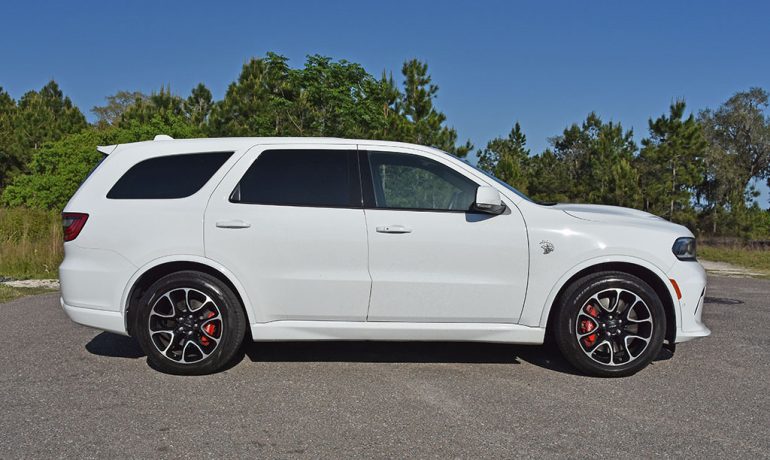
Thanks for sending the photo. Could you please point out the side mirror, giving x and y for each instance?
(488, 200)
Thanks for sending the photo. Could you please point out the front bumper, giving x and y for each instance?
(691, 278)
(111, 321)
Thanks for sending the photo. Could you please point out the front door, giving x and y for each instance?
(431, 259)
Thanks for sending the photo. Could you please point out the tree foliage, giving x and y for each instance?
(58, 168)
(671, 165)
(699, 171)
(332, 99)
(597, 158)
(37, 118)
(738, 135)
(117, 104)
(508, 158)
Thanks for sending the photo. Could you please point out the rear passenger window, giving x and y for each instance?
(173, 176)
(322, 178)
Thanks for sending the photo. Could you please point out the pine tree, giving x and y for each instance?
(425, 125)
(197, 106)
(46, 115)
(591, 153)
(508, 158)
(671, 164)
(10, 155)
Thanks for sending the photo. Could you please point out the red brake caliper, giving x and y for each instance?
(586, 325)
(209, 329)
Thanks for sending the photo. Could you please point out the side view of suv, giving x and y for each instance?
(191, 245)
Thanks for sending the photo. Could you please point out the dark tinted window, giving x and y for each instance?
(403, 181)
(301, 178)
(173, 176)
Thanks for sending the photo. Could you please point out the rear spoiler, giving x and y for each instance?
(106, 149)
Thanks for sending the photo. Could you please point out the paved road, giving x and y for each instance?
(69, 391)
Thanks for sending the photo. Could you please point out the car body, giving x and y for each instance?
(307, 263)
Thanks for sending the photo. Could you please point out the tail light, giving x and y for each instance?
(73, 223)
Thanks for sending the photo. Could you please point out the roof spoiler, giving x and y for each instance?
(106, 149)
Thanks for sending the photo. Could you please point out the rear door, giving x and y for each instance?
(288, 222)
(432, 259)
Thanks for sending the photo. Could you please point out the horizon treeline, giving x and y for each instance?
(697, 169)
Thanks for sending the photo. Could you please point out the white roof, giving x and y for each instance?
(236, 143)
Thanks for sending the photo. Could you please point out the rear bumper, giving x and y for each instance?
(691, 278)
(111, 321)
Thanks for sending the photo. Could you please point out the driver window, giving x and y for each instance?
(404, 181)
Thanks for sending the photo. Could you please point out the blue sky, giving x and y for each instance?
(545, 64)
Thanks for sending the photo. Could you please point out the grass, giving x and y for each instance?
(757, 259)
(8, 293)
(30, 243)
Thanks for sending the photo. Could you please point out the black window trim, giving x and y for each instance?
(107, 195)
(368, 190)
(365, 182)
(356, 167)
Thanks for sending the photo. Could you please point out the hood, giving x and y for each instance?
(603, 213)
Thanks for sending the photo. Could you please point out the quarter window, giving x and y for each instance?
(323, 178)
(173, 176)
(403, 181)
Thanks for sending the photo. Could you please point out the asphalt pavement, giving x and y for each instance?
(70, 391)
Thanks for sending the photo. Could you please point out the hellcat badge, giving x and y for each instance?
(547, 246)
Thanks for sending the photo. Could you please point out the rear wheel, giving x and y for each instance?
(190, 323)
(610, 324)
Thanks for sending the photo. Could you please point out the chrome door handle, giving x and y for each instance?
(233, 224)
(393, 229)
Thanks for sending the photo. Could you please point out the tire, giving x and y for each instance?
(190, 323)
(610, 324)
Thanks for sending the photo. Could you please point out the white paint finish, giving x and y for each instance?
(89, 277)
(691, 278)
(452, 267)
(341, 330)
(297, 263)
(435, 273)
(111, 321)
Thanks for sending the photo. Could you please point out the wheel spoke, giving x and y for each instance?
(171, 340)
(167, 298)
(210, 337)
(194, 344)
(604, 343)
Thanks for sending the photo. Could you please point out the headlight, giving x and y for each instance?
(684, 248)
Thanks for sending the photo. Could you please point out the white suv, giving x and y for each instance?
(188, 244)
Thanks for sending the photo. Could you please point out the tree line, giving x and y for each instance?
(697, 169)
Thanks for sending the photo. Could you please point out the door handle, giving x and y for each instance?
(393, 229)
(233, 224)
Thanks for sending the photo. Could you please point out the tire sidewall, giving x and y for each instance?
(233, 322)
(574, 299)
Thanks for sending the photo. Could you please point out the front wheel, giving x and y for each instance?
(610, 324)
(190, 323)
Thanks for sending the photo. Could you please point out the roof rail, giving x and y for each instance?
(163, 137)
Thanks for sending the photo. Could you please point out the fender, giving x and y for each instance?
(251, 314)
(610, 258)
